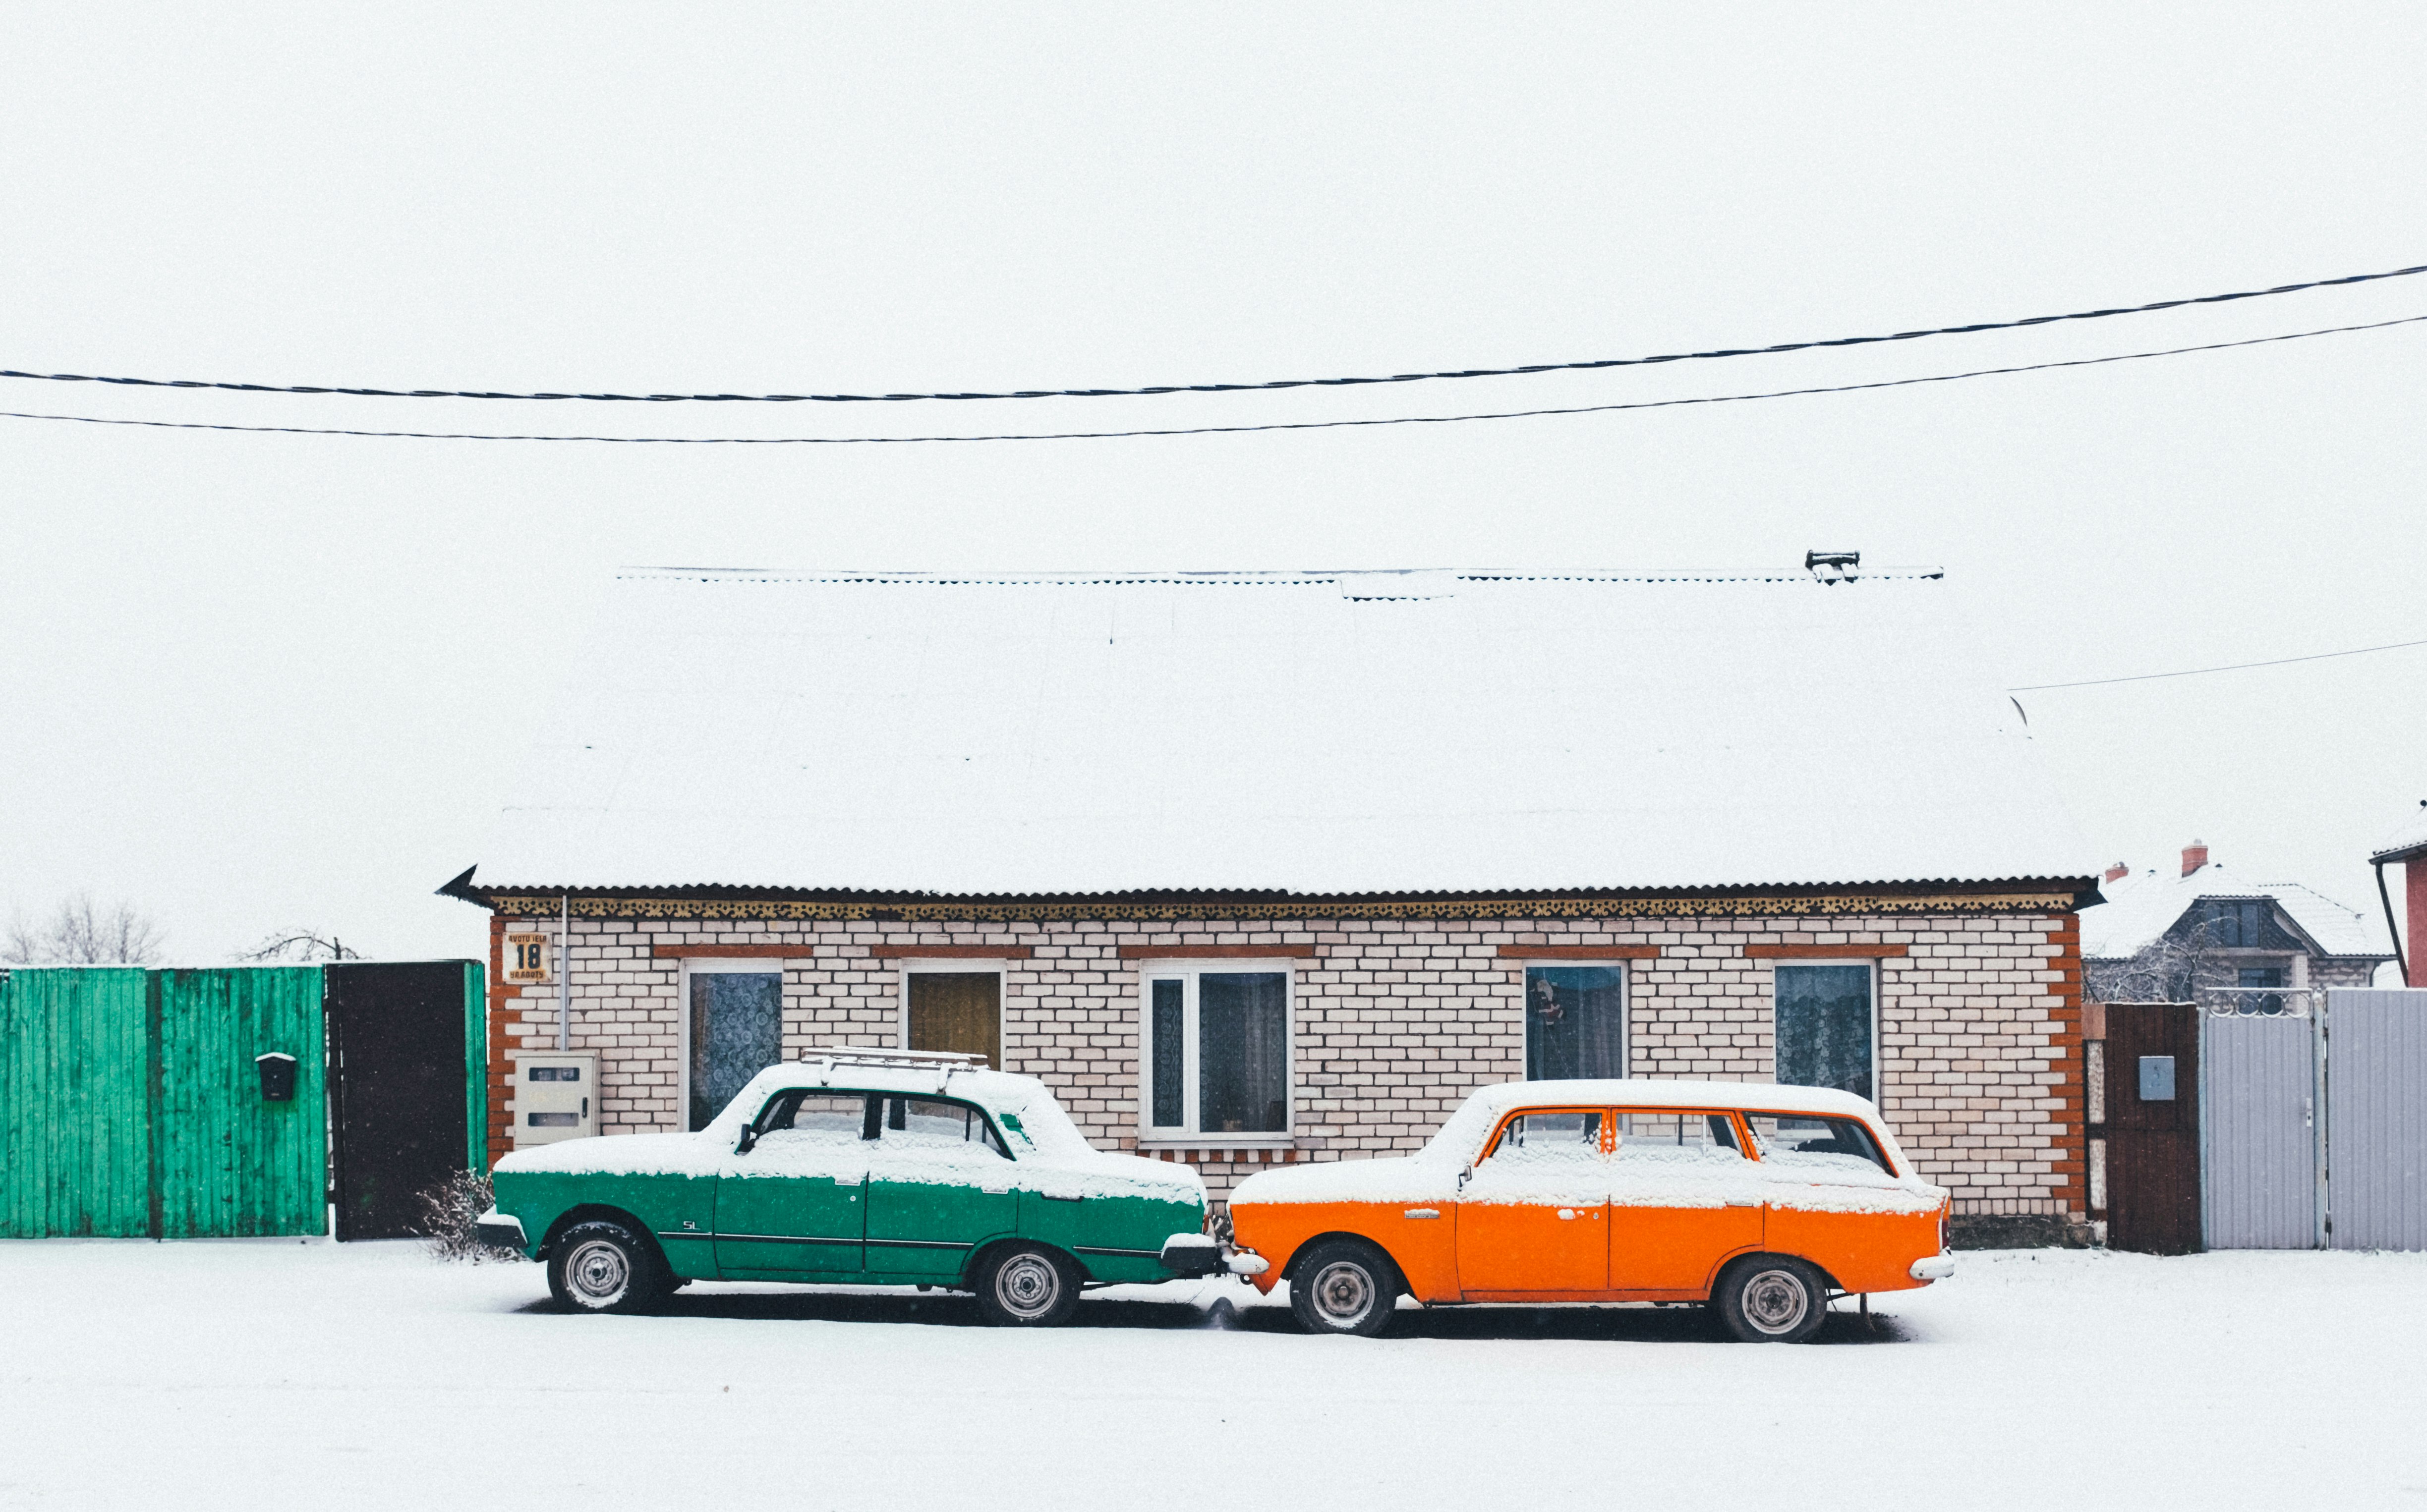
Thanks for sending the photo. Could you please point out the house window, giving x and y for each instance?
(2237, 924)
(1823, 1026)
(1216, 1053)
(2262, 976)
(1575, 1022)
(733, 1030)
(960, 1011)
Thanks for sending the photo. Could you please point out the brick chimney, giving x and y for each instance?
(2118, 869)
(2194, 857)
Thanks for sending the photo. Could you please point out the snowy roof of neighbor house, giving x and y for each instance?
(2145, 905)
(1328, 733)
(2410, 839)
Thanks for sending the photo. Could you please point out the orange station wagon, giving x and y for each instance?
(1763, 1201)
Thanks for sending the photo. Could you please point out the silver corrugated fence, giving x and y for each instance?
(2376, 1120)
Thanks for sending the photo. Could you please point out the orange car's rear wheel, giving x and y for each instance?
(1344, 1286)
(1770, 1299)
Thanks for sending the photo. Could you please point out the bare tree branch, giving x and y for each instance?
(299, 945)
(78, 933)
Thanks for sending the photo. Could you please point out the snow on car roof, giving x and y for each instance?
(1321, 732)
(1761, 1096)
(1040, 1119)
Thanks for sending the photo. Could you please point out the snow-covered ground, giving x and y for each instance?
(275, 1373)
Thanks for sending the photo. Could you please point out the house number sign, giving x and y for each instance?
(526, 956)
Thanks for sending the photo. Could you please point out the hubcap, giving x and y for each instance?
(1028, 1286)
(1344, 1292)
(1775, 1302)
(597, 1272)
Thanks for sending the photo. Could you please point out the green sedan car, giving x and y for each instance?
(883, 1168)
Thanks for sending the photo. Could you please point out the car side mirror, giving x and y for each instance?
(1464, 1177)
(749, 1139)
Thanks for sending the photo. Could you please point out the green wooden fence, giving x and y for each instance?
(130, 1104)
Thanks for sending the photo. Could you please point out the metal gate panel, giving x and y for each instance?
(231, 1163)
(401, 1108)
(2151, 1132)
(75, 1135)
(2376, 1077)
(2258, 1136)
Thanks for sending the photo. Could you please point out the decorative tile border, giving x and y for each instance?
(517, 905)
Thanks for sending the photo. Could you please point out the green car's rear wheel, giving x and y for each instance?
(1026, 1286)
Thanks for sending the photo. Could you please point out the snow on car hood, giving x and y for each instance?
(621, 1155)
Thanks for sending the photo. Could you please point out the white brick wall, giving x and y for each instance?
(1397, 1020)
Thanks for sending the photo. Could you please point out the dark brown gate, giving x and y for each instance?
(2152, 1127)
(398, 1110)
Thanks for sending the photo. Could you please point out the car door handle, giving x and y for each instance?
(1744, 1202)
(1422, 1212)
(996, 1191)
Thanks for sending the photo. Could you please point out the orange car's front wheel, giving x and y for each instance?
(1344, 1286)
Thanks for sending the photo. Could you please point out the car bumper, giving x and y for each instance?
(1933, 1268)
(499, 1231)
(1196, 1255)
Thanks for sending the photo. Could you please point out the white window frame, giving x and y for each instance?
(1870, 961)
(1625, 968)
(916, 965)
(1187, 970)
(757, 966)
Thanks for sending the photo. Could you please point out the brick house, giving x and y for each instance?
(2407, 848)
(1258, 868)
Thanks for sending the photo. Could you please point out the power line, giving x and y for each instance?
(2202, 671)
(1207, 430)
(1592, 364)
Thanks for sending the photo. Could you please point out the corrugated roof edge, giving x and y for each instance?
(1313, 578)
(2084, 888)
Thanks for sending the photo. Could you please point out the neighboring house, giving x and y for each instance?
(1268, 868)
(2407, 847)
(2173, 938)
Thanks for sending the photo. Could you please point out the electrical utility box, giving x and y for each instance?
(556, 1097)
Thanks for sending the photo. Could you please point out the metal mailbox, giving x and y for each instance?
(277, 1072)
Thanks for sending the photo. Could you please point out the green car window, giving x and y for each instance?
(932, 1123)
(832, 1114)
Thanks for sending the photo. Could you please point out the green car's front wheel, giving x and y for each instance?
(1026, 1286)
(602, 1266)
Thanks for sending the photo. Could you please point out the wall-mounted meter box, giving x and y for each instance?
(556, 1097)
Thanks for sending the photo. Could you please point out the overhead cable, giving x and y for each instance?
(1589, 365)
(2202, 671)
(1207, 430)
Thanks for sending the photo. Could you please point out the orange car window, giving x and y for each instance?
(1669, 1137)
(1809, 1143)
(1544, 1136)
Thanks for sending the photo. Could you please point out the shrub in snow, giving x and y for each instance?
(448, 1211)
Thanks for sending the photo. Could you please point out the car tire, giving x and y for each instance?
(1344, 1286)
(1026, 1286)
(1770, 1299)
(603, 1266)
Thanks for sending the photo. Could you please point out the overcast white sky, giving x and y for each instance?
(252, 681)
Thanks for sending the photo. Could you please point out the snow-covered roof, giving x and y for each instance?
(1330, 733)
(2145, 904)
(2408, 839)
